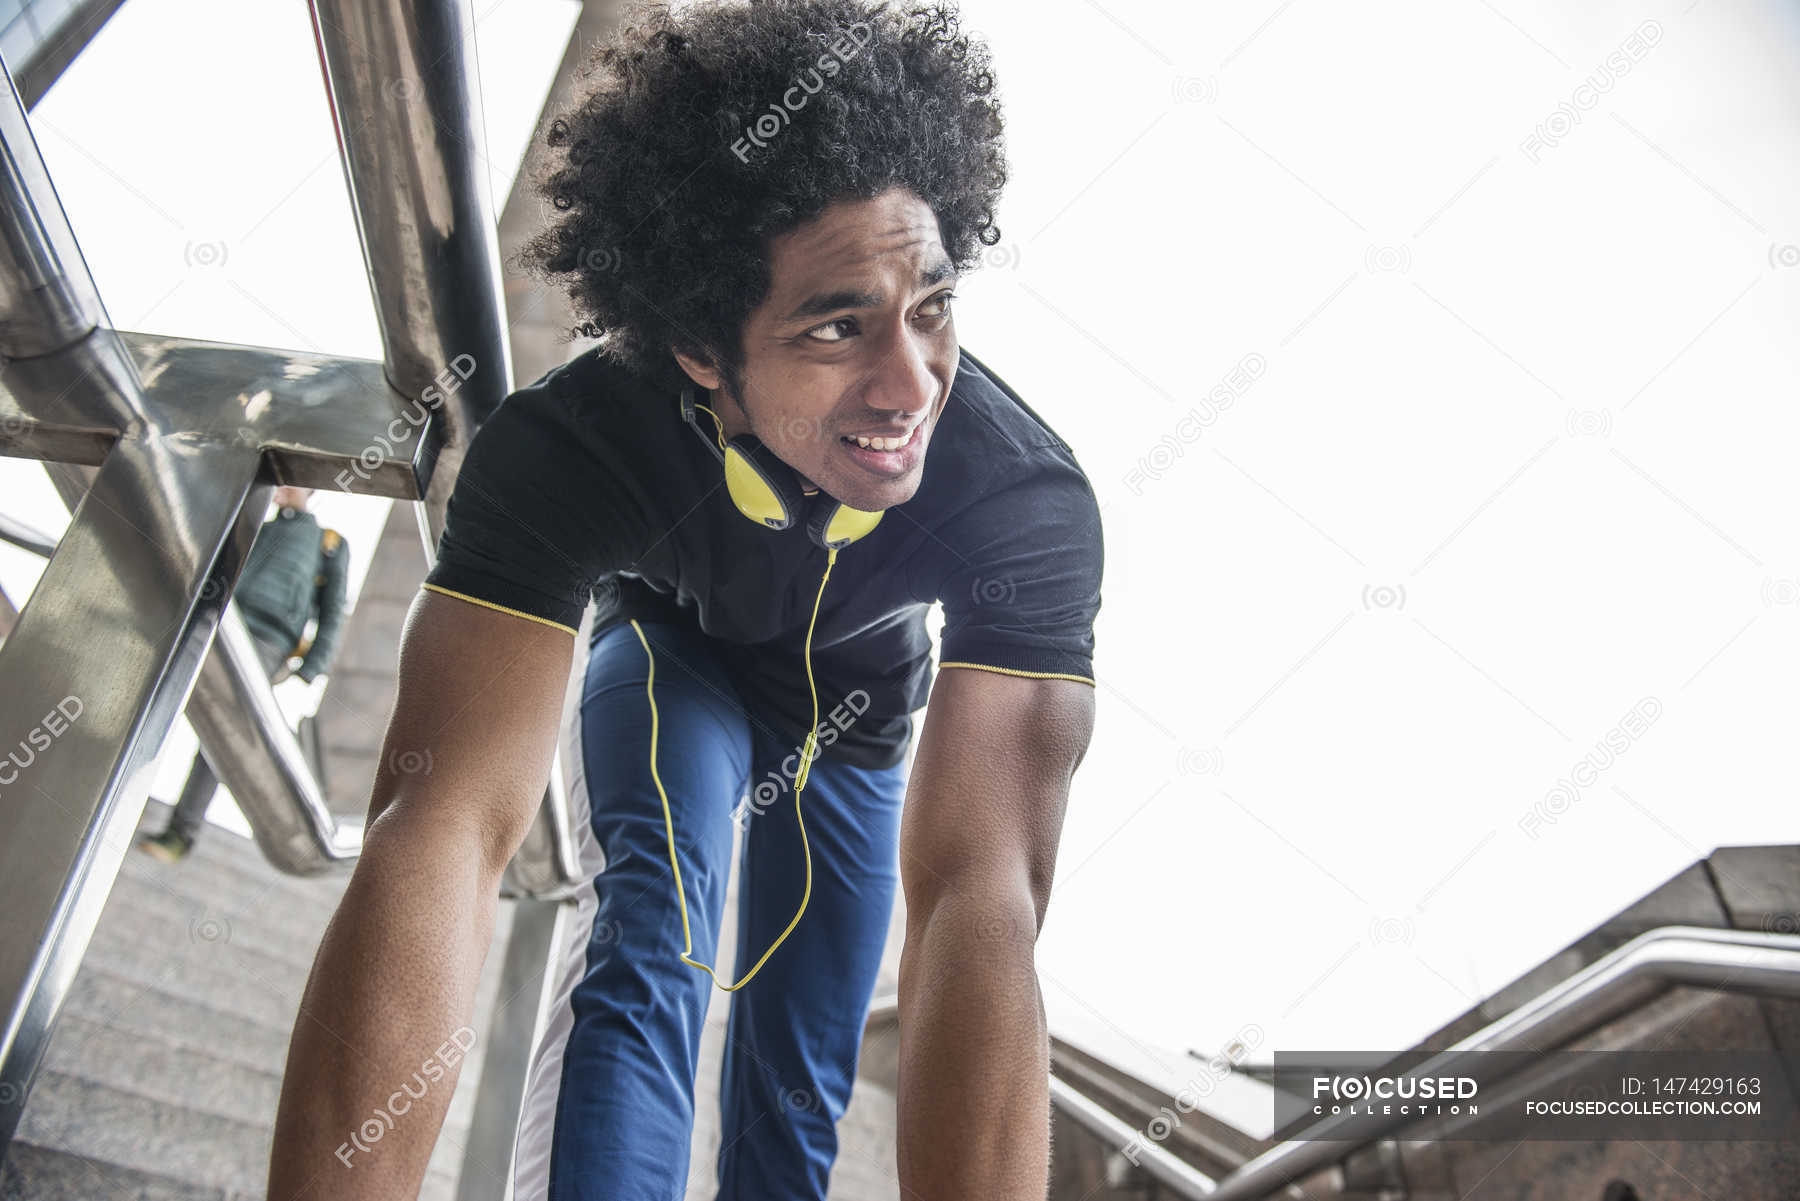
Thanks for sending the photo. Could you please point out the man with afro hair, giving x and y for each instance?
(771, 463)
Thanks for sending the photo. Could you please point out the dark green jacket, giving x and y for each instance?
(296, 571)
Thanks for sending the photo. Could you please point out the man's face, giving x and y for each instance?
(856, 337)
(289, 497)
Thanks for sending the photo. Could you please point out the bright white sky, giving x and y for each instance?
(1516, 457)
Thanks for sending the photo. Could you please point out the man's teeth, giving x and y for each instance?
(884, 443)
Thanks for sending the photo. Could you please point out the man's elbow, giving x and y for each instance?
(992, 921)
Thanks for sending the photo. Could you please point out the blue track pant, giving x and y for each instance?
(610, 1105)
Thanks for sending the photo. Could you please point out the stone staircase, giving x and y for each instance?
(161, 1080)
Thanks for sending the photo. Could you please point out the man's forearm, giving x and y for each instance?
(974, 1104)
(379, 1042)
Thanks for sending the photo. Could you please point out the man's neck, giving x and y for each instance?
(730, 415)
(736, 422)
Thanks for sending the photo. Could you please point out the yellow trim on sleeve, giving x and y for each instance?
(1013, 671)
(475, 600)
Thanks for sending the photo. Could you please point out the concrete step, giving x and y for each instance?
(33, 1173)
(183, 898)
(151, 1027)
(162, 1078)
(156, 1015)
(237, 863)
(238, 880)
(185, 1147)
(169, 1075)
(98, 1122)
(218, 975)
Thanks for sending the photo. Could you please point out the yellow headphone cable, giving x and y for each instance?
(807, 754)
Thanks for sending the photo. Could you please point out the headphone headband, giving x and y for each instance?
(688, 407)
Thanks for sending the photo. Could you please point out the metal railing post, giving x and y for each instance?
(406, 103)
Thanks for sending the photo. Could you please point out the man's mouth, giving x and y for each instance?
(883, 444)
(886, 456)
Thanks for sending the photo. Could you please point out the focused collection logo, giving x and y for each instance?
(1417, 1095)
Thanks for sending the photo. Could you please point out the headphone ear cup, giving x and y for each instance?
(833, 525)
(761, 485)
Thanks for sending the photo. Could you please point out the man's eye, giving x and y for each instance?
(814, 331)
(943, 298)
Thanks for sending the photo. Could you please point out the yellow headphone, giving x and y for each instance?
(768, 492)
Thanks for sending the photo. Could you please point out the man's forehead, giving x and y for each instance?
(851, 231)
(855, 268)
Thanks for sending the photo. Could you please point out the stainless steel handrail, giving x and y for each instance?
(64, 31)
(1181, 1176)
(304, 414)
(165, 450)
(286, 808)
(93, 709)
(406, 100)
(1623, 980)
(26, 536)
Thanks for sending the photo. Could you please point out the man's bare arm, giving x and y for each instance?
(978, 841)
(462, 771)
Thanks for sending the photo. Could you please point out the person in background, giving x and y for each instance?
(297, 571)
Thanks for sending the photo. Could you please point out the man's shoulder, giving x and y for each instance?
(586, 398)
(992, 403)
(330, 540)
(991, 441)
(577, 448)
(595, 380)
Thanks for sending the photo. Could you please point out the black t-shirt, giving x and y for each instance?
(589, 483)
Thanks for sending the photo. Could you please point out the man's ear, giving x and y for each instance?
(698, 370)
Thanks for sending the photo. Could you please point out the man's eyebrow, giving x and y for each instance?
(854, 298)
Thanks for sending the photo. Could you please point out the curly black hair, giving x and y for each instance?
(712, 130)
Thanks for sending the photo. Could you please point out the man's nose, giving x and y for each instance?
(905, 384)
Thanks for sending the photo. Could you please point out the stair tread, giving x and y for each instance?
(220, 852)
(33, 1172)
(172, 1075)
(245, 992)
(37, 1173)
(124, 1128)
(162, 1077)
(146, 1016)
(97, 1121)
(152, 1012)
(277, 929)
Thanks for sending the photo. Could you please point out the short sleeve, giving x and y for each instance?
(533, 520)
(1024, 587)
